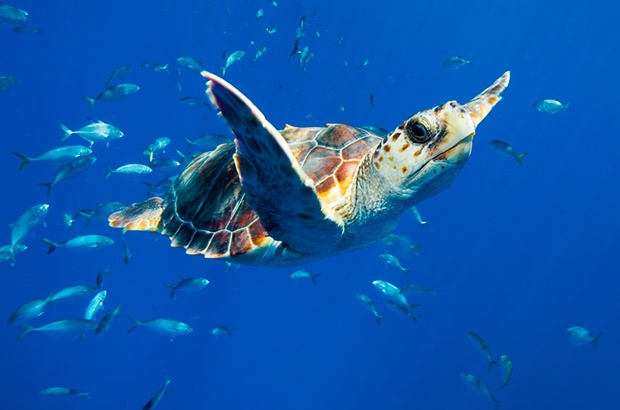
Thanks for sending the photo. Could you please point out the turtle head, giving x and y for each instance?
(425, 153)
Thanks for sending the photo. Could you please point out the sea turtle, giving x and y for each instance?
(283, 198)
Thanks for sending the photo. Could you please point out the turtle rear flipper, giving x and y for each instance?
(275, 185)
(141, 216)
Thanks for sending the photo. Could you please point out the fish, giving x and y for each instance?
(12, 16)
(62, 327)
(71, 292)
(126, 251)
(550, 106)
(29, 310)
(259, 53)
(505, 148)
(271, 30)
(230, 265)
(7, 82)
(415, 289)
(100, 275)
(365, 63)
(305, 55)
(233, 58)
(102, 211)
(114, 93)
(405, 310)
(505, 365)
(157, 145)
(340, 38)
(191, 64)
(300, 27)
(259, 14)
(372, 100)
(160, 187)
(69, 170)
(27, 222)
(95, 132)
(391, 291)
(400, 242)
(222, 331)
(580, 336)
(163, 326)
(59, 155)
(129, 169)
(187, 285)
(95, 305)
(27, 30)
(416, 214)
(117, 74)
(478, 386)
(369, 304)
(481, 345)
(106, 321)
(394, 261)
(177, 82)
(195, 102)
(84, 241)
(164, 165)
(302, 274)
(63, 391)
(157, 397)
(158, 67)
(8, 252)
(454, 63)
(207, 142)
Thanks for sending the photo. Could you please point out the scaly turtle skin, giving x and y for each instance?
(285, 198)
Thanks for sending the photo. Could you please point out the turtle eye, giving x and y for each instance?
(418, 131)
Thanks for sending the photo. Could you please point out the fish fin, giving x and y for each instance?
(502, 386)
(422, 223)
(135, 322)
(223, 71)
(66, 130)
(172, 289)
(48, 186)
(518, 158)
(25, 160)
(53, 245)
(141, 216)
(11, 256)
(91, 101)
(491, 363)
(378, 319)
(595, 341)
(110, 171)
(25, 332)
(189, 143)
(566, 106)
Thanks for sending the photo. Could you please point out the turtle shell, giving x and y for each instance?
(206, 212)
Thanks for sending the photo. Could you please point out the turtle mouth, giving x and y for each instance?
(450, 154)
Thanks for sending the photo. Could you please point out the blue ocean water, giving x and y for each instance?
(515, 254)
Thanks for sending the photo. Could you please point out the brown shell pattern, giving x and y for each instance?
(206, 212)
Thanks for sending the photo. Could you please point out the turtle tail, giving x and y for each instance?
(141, 216)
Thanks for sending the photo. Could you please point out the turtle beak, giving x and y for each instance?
(481, 105)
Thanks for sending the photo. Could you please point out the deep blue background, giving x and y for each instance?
(515, 254)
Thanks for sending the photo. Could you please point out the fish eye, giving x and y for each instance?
(418, 131)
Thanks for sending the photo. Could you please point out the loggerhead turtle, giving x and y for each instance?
(287, 197)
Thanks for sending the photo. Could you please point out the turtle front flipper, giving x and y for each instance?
(141, 216)
(275, 185)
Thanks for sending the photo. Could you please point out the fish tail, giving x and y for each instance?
(25, 332)
(180, 154)
(53, 245)
(49, 187)
(25, 160)
(11, 256)
(232, 329)
(91, 101)
(566, 106)
(66, 130)
(189, 143)
(519, 157)
(491, 363)
(313, 277)
(223, 71)
(110, 171)
(502, 386)
(595, 341)
(422, 223)
(172, 289)
(378, 318)
(135, 322)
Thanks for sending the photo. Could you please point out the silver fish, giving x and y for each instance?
(454, 63)
(302, 274)
(157, 145)
(117, 74)
(29, 310)
(100, 275)
(164, 165)
(476, 385)
(416, 214)
(416, 289)
(163, 326)
(394, 261)
(305, 55)
(400, 242)
(72, 291)
(27, 30)
(369, 304)
(195, 102)
(391, 291)
(157, 67)
(96, 132)
(187, 285)
(62, 327)
(70, 170)
(62, 391)
(580, 336)
(126, 250)
(222, 331)
(114, 93)
(95, 305)
(550, 106)
(106, 321)
(84, 241)
(208, 142)
(157, 397)
(12, 15)
(404, 310)
(506, 367)
(7, 82)
(259, 53)
(482, 346)
(177, 82)
(233, 58)
(27, 222)
(271, 30)
(259, 14)
(59, 155)
(191, 64)
(102, 211)
(505, 148)
(129, 169)
(8, 252)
